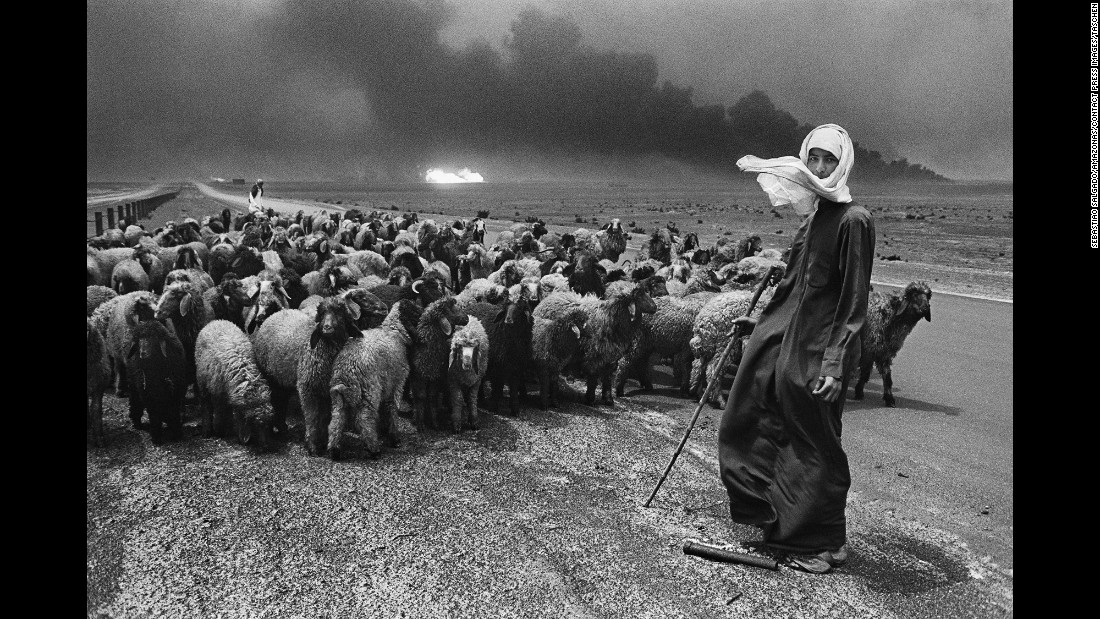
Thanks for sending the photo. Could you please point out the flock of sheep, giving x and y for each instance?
(369, 314)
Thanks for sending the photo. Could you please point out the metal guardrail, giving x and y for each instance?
(129, 211)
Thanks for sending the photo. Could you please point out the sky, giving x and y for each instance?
(344, 90)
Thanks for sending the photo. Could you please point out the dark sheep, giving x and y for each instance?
(335, 323)
(585, 274)
(428, 380)
(509, 330)
(890, 318)
(182, 304)
(156, 368)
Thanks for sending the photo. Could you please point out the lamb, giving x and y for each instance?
(122, 314)
(335, 324)
(97, 295)
(608, 331)
(183, 306)
(156, 368)
(554, 342)
(711, 334)
(667, 333)
(229, 383)
(509, 350)
(468, 363)
(368, 380)
(429, 359)
(890, 319)
(99, 378)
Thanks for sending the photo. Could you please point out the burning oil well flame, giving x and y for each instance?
(463, 176)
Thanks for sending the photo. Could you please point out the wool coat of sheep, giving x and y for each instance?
(368, 381)
(230, 386)
(99, 378)
(466, 367)
(890, 319)
(554, 342)
(277, 346)
(779, 449)
(334, 325)
(123, 313)
(665, 333)
(509, 352)
(98, 295)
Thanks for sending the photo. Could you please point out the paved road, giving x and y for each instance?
(540, 515)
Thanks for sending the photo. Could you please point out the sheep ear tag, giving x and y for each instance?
(577, 331)
(164, 349)
(185, 305)
(633, 310)
(446, 324)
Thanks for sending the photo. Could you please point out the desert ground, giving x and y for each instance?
(541, 515)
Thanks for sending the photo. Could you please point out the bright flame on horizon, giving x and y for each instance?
(464, 176)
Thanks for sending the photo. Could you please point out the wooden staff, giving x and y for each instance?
(712, 381)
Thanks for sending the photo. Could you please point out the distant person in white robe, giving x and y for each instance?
(256, 197)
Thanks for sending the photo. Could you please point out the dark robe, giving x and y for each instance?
(779, 446)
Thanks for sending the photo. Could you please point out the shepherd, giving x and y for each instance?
(779, 448)
(256, 198)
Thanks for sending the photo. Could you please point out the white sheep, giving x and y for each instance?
(230, 385)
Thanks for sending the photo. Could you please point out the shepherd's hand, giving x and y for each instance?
(746, 324)
(828, 388)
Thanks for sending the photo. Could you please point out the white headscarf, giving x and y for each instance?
(787, 180)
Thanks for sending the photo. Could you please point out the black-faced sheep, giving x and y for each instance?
(99, 378)
(156, 369)
(658, 247)
(334, 325)
(468, 362)
(609, 329)
(227, 301)
(230, 385)
(554, 342)
(182, 305)
(612, 240)
(429, 359)
(509, 329)
(585, 274)
(368, 381)
(423, 291)
(890, 318)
